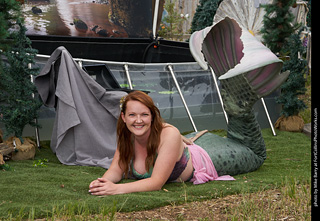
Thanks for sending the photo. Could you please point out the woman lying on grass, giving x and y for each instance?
(154, 152)
(149, 150)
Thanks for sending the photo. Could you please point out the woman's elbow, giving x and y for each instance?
(158, 184)
(157, 188)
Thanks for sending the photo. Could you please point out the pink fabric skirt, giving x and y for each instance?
(204, 169)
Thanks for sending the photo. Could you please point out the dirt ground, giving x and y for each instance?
(270, 205)
(216, 209)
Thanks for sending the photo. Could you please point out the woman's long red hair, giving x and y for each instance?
(125, 139)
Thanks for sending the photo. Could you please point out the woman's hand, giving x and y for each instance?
(187, 141)
(190, 141)
(102, 186)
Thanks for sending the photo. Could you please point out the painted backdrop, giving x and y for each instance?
(89, 18)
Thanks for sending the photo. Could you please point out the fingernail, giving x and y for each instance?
(89, 191)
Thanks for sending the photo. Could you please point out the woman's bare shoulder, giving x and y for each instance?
(168, 128)
(170, 139)
(170, 133)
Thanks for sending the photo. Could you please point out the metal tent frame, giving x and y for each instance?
(170, 68)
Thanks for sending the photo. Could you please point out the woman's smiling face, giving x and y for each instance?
(137, 118)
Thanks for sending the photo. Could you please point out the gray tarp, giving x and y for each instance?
(84, 131)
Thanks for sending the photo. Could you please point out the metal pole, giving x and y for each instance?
(219, 94)
(126, 68)
(121, 62)
(267, 113)
(182, 98)
(80, 63)
(155, 18)
(35, 120)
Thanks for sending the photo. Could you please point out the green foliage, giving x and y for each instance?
(278, 35)
(204, 14)
(277, 27)
(5, 167)
(18, 108)
(40, 162)
(309, 14)
(295, 84)
(306, 114)
(9, 12)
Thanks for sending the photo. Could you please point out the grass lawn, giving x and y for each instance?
(58, 190)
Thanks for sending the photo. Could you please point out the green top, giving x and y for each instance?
(176, 172)
(141, 176)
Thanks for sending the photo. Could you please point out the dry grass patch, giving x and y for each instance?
(289, 202)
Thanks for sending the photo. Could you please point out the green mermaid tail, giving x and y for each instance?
(243, 150)
(247, 71)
